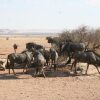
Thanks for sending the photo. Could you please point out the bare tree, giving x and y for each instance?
(15, 46)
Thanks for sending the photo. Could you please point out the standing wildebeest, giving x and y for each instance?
(88, 57)
(53, 57)
(39, 62)
(32, 45)
(20, 58)
(71, 48)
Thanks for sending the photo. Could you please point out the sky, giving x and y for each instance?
(48, 15)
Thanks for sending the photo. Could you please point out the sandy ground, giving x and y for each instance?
(58, 85)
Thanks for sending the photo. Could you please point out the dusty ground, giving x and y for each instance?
(56, 86)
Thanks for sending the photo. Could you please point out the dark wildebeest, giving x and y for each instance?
(53, 57)
(32, 45)
(19, 58)
(71, 48)
(39, 62)
(88, 57)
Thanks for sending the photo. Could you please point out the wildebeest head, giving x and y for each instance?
(50, 39)
(30, 45)
(64, 47)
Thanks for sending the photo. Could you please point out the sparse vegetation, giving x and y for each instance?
(85, 34)
(7, 38)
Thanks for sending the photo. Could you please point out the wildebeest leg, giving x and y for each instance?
(55, 67)
(8, 65)
(72, 65)
(97, 68)
(43, 73)
(51, 63)
(9, 68)
(13, 70)
(24, 68)
(75, 68)
(36, 71)
(69, 60)
(47, 62)
(87, 68)
(12, 67)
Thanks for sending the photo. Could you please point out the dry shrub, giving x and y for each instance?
(85, 34)
(7, 38)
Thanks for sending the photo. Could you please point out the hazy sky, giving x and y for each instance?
(48, 14)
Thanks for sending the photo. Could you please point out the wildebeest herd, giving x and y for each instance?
(37, 57)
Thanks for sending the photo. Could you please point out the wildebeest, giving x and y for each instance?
(2, 64)
(39, 62)
(53, 57)
(46, 54)
(88, 57)
(32, 45)
(71, 48)
(20, 58)
(55, 42)
(52, 40)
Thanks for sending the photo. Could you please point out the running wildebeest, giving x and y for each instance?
(39, 62)
(25, 57)
(88, 57)
(32, 45)
(53, 57)
(71, 48)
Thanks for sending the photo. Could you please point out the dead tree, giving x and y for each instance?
(15, 46)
